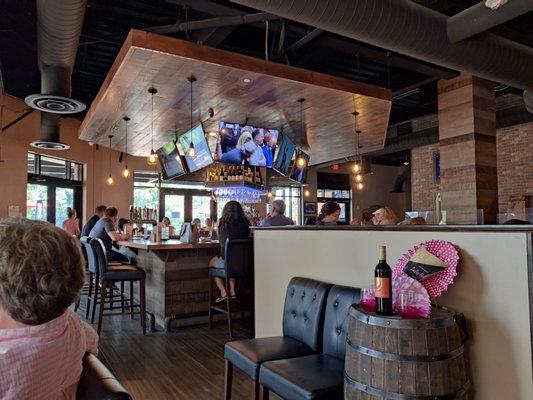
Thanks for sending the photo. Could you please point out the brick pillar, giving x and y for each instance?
(467, 138)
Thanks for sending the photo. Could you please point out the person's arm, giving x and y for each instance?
(78, 231)
(113, 234)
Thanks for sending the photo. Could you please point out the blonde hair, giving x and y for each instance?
(244, 138)
(41, 270)
(388, 214)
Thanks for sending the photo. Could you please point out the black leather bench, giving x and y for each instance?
(98, 383)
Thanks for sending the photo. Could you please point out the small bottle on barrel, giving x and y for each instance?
(383, 291)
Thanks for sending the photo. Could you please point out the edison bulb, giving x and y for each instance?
(300, 163)
(126, 172)
(192, 152)
(152, 158)
(269, 195)
(110, 180)
(356, 168)
(307, 193)
(359, 178)
(360, 185)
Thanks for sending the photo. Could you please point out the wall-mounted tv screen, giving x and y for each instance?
(202, 157)
(170, 161)
(299, 174)
(246, 144)
(284, 155)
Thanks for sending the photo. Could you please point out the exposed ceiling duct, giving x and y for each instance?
(59, 24)
(408, 28)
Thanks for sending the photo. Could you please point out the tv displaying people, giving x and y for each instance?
(245, 144)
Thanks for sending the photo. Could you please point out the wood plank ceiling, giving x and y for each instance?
(269, 99)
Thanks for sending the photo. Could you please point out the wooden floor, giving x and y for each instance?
(186, 364)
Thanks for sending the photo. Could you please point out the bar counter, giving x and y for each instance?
(493, 288)
(177, 279)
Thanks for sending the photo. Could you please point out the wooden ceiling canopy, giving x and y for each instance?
(236, 87)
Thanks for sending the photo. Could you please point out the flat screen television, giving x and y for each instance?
(284, 155)
(299, 174)
(246, 144)
(170, 161)
(202, 157)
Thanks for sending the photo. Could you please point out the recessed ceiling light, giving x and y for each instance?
(246, 80)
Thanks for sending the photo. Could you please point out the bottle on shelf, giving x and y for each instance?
(224, 174)
(383, 281)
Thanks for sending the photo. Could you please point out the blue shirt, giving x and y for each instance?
(267, 151)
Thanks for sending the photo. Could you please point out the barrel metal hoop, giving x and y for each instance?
(386, 322)
(404, 358)
(400, 396)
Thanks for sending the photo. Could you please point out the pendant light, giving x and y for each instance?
(152, 158)
(357, 165)
(109, 179)
(192, 150)
(126, 171)
(301, 162)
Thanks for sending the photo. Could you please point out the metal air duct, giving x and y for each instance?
(408, 28)
(59, 24)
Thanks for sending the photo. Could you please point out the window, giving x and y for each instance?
(292, 196)
(54, 184)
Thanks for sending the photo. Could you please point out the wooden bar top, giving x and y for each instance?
(172, 244)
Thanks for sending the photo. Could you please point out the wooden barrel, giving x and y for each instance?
(394, 358)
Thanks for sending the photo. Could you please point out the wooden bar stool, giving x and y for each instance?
(108, 276)
(238, 263)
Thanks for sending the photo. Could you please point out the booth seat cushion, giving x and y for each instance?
(124, 273)
(310, 377)
(247, 355)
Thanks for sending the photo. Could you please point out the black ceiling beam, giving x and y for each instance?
(208, 7)
(304, 40)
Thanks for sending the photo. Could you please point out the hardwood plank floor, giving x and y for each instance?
(187, 364)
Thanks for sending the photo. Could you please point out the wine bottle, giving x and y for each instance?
(383, 276)
(225, 173)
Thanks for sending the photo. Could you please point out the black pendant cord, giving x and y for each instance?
(126, 119)
(152, 121)
(191, 79)
(191, 112)
(110, 137)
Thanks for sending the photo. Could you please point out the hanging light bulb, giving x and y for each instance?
(126, 171)
(269, 195)
(152, 158)
(192, 151)
(110, 179)
(360, 186)
(356, 168)
(359, 178)
(300, 162)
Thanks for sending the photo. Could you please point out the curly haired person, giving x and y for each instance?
(42, 343)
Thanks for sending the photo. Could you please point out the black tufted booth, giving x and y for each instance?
(302, 333)
(318, 376)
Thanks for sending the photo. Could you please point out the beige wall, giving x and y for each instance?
(491, 291)
(15, 146)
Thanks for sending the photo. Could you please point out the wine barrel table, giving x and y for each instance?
(407, 359)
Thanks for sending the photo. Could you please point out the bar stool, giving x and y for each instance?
(238, 263)
(108, 276)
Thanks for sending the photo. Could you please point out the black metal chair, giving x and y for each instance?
(238, 264)
(320, 376)
(109, 275)
(98, 383)
(303, 312)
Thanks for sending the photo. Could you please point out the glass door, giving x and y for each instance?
(37, 202)
(174, 209)
(64, 199)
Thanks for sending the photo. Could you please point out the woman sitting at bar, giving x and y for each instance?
(329, 214)
(41, 342)
(233, 224)
(384, 216)
(165, 222)
(72, 224)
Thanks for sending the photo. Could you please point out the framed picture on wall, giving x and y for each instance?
(309, 208)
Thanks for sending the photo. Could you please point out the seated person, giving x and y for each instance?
(329, 214)
(123, 223)
(165, 222)
(276, 215)
(72, 223)
(98, 213)
(384, 216)
(41, 342)
(106, 231)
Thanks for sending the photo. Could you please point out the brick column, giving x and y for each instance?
(467, 135)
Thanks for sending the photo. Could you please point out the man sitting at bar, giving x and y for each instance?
(106, 231)
(89, 225)
(276, 215)
(41, 342)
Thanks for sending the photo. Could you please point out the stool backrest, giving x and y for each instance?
(99, 253)
(89, 252)
(340, 299)
(304, 311)
(239, 257)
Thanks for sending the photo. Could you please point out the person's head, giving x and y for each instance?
(208, 222)
(249, 148)
(112, 214)
(243, 139)
(271, 139)
(41, 270)
(71, 213)
(197, 222)
(517, 222)
(413, 221)
(258, 136)
(100, 211)
(330, 212)
(278, 207)
(384, 216)
(232, 214)
(166, 221)
(121, 223)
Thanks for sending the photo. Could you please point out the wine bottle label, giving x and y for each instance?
(382, 288)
